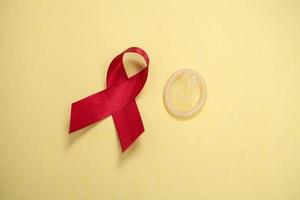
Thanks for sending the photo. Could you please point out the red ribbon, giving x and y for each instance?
(118, 100)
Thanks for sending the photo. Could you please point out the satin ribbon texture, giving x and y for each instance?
(118, 100)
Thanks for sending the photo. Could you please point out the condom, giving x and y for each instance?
(185, 93)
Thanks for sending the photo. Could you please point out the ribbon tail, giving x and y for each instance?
(129, 125)
(79, 120)
(88, 110)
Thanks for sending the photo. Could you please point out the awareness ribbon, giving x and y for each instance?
(118, 100)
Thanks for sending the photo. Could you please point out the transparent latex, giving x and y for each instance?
(185, 93)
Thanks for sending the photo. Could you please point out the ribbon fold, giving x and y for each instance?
(118, 100)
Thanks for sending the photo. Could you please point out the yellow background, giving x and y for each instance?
(244, 145)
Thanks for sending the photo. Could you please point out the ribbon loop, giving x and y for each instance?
(118, 100)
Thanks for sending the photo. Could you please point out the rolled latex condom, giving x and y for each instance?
(185, 93)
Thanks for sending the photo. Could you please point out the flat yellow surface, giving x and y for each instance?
(244, 144)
